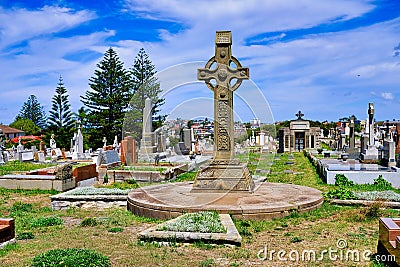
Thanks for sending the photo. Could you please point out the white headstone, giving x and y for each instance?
(27, 156)
(262, 139)
(41, 157)
(79, 142)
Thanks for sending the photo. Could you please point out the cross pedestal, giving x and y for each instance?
(224, 172)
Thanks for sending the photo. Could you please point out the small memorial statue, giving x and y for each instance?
(116, 145)
(53, 144)
(104, 141)
(20, 147)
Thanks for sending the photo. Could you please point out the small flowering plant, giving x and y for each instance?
(202, 222)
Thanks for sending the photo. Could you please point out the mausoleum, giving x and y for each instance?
(298, 136)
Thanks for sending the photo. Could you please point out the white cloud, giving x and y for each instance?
(387, 96)
(22, 24)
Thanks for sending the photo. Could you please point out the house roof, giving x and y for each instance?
(9, 130)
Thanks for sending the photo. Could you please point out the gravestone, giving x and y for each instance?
(110, 157)
(116, 145)
(78, 146)
(128, 151)
(224, 173)
(41, 157)
(371, 152)
(161, 142)
(351, 133)
(187, 138)
(58, 153)
(352, 151)
(147, 142)
(27, 156)
(262, 139)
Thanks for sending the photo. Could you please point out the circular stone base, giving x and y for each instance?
(269, 200)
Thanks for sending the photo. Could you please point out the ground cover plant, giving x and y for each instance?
(71, 258)
(318, 230)
(202, 222)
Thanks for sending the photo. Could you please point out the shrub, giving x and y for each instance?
(71, 257)
(371, 212)
(341, 193)
(25, 236)
(341, 180)
(116, 230)
(21, 207)
(382, 183)
(47, 221)
(89, 222)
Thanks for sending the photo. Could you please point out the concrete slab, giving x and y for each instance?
(269, 200)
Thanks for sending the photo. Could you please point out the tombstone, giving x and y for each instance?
(371, 152)
(58, 153)
(110, 157)
(347, 130)
(68, 154)
(63, 154)
(78, 146)
(20, 147)
(99, 157)
(181, 149)
(351, 133)
(187, 138)
(27, 156)
(147, 142)
(253, 139)
(161, 146)
(262, 139)
(41, 157)
(128, 151)
(116, 144)
(224, 173)
(53, 144)
(42, 147)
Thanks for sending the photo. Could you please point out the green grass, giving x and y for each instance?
(71, 258)
(186, 177)
(127, 184)
(13, 166)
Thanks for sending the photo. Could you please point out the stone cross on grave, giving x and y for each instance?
(227, 80)
(223, 74)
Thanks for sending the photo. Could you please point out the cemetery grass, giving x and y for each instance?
(16, 166)
(92, 229)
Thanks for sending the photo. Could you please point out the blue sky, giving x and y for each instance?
(328, 58)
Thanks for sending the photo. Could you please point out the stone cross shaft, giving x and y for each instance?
(223, 79)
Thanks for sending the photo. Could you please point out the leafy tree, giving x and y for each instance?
(26, 125)
(61, 116)
(33, 111)
(107, 100)
(145, 85)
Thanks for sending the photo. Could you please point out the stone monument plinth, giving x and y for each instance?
(147, 143)
(224, 173)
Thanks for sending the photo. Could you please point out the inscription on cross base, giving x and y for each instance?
(223, 80)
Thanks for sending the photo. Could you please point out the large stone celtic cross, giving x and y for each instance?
(223, 80)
